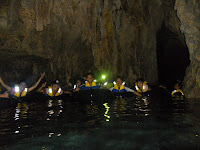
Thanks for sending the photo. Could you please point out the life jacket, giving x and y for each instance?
(87, 84)
(121, 89)
(143, 87)
(17, 93)
(50, 92)
(177, 91)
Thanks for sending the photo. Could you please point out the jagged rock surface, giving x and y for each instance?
(71, 36)
(188, 12)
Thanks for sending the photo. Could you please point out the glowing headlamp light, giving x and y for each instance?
(59, 90)
(16, 88)
(50, 91)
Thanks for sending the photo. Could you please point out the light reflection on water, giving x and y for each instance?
(122, 123)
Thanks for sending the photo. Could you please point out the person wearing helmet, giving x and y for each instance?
(53, 90)
(119, 87)
(177, 89)
(141, 86)
(90, 83)
(19, 90)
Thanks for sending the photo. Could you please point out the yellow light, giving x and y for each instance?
(106, 112)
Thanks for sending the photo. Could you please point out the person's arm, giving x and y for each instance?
(4, 85)
(76, 90)
(5, 95)
(130, 90)
(67, 92)
(40, 89)
(36, 84)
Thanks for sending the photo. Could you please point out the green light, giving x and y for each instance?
(103, 76)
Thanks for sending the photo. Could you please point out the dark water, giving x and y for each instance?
(110, 124)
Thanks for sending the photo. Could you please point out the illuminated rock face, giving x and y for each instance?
(188, 12)
(72, 37)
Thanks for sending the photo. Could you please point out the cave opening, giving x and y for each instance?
(172, 57)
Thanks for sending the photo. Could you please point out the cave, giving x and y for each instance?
(172, 57)
(121, 38)
(157, 40)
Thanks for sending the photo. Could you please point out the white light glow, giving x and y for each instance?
(16, 88)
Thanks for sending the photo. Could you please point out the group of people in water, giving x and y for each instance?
(21, 89)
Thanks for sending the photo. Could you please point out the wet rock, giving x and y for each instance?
(188, 12)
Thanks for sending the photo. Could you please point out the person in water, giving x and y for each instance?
(141, 86)
(53, 90)
(20, 90)
(119, 87)
(67, 85)
(177, 89)
(77, 85)
(89, 83)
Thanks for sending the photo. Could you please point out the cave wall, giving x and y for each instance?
(71, 37)
(188, 12)
(116, 37)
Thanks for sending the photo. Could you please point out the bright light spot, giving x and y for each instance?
(50, 90)
(123, 83)
(105, 83)
(106, 112)
(59, 90)
(26, 89)
(136, 88)
(95, 80)
(50, 104)
(114, 82)
(50, 134)
(16, 88)
(103, 76)
(50, 112)
(16, 131)
(59, 134)
(74, 86)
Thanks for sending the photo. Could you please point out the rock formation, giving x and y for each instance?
(71, 37)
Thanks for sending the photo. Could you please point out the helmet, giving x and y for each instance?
(55, 82)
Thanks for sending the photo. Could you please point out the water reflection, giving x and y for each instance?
(106, 112)
(120, 107)
(66, 123)
(55, 108)
(21, 111)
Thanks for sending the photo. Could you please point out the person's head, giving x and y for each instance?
(22, 85)
(177, 85)
(55, 85)
(119, 81)
(140, 82)
(89, 78)
(78, 82)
